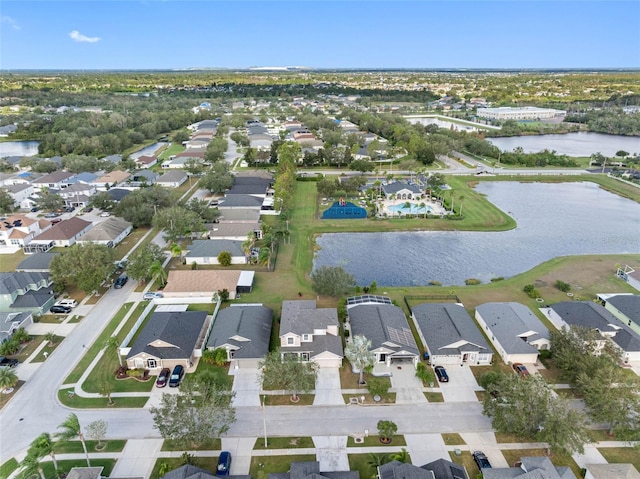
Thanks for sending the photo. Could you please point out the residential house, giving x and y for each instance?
(207, 251)
(450, 335)
(189, 471)
(233, 231)
(141, 179)
(53, 181)
(36, 263)
(65, 233)
(85, 473)
(439, 469)
(110, 180)
(611, 471)
(85, 177)
(207, 283)
(239, 215)
(145, 161)
(117, 194)
(168, 339)
(630, 275)
(110, 232)
(530, 467)
(311, 333)
(386, 326)
(78, 194)
(240, 202)
(515, 332)
(11, 322)
(244, 332)
(18, 230)
(591, 315)
(113, 158)
(26, 292)
(401, 190)
(172, 179)
(625, 307)
(311, 470)
(21, 194)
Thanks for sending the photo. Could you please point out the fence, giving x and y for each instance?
(429, 298)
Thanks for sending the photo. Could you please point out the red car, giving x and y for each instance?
(521, 370)
(163, 377)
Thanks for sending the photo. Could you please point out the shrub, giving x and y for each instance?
(387, 429)
(495, 280)
(378, 386)
(425, 374)
(433, 282)
(531, 291)
(224, 258)
(562, 286)
(472, 281)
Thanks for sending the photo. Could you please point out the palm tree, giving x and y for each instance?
(30, 467)
(50, 337)
(461, 198)
(105, 390)
(408, 205)
(70, 430)
(157, 270)
(423, 206)
(176, 250)
(112, 344)
(376, 460)
(8, 378)
(402, 456)
(358, 353)
(41, 446)
(248, 244)
(264, 257)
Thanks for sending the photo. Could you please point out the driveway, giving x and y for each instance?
(407, 386)
(461, 386)
(328, 388)
(240, 449)
(331, 453)
(485, 442)
(591, 456)
(246, 385)
(425, 448)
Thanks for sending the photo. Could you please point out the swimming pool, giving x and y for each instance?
(415, 209)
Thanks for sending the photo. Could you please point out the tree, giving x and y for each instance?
(41, 446)
(158, 271)
(332, 280)
(402, 456)
(71, 429)
(178, 222)
(102, 201)
(7, 203)
(217, 179)
(377, 460)
(141, 262)
(112, 344)
(531, 410)
(105, 389)
(264, 257)
(85, 266)
(200, 412)
(97, 430)
(8, 378)
(30, 466)
(49, 201)
(287, 372)
(386, 430)
(224, 258)
(50, 337)
(359, 355)
(361, 165)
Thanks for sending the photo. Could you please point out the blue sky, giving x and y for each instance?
(164, 34)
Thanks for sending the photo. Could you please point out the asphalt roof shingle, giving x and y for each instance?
(251, 323)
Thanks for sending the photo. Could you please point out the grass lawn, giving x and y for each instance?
(373, 440)
(284, 443)
(75, 447)
(4, 398)
(126, 244)
(360, 463)
(514, 455)
(28, 348)
(75, 319)
(263, 465)
(51, 318)
(285, 400)
(206, 463)
(621, 455)
(213, 445)
(389, 398)
(452, 439)
(598, 435)
(66, 466)
(551, 373)
(10, 262)
(48, 349)
(8, 467)
(434, 397)
(465, 460)
(77, 402)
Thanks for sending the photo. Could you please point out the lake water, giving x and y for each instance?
(571, 144)
(18, 148)
(553, 220)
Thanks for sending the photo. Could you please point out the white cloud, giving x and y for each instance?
(79, 37)
(10, 21)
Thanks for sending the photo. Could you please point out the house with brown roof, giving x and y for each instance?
(202, 283)
(109, 180)
(64, 233)
(17, 231)
(56, 180)
(145, 161)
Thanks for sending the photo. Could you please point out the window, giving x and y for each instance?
(306, 338)
(290, 341)
(304, 356)
(151, 363)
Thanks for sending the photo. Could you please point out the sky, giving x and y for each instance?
(177, 34)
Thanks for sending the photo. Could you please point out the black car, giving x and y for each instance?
(224, 464)
(58, 308)
(441, 372)
(163, 377)
(481, 460)
(121, 281)
(8, 363)
(176, 376)
(88, 210)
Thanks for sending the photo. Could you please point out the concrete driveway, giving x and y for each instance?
(591, 456)
(328, 388)
(407, 386)
(425, 448)
(486, 442)
(461, 386)
(331, 453)
(246, 385)
(240, 449)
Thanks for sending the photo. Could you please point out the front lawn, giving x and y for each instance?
(206, 463)
(465, 460)
(285, 400)
(433, 397)
(66, 397)
(171, 445)
(66, 465)
(558, 459)
(47, 349)
(8, 467)
(263, 465)
(284, 443)
(621, 455)
(452, 439)
(373, 440)
(75, 447)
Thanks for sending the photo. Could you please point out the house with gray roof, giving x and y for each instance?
(242, 201)
(109, 233)
(141, 178)
(172, 179)
(311, 470)
(11, 322)
(402, 190)
(117, 194)
(530, 468)
(113, 158)
(36, 263)
(55, 180)
(244, 332)
(77, 195)
(168, 339)
(311, 333)
(21, 194)
(84, 177)
(386, 326)
(207, 251)
(28, 292)
(591, 315)
(515, 332)
(625, 307)
(449, 334)
(439, 469)
(609, 471)
(233, 231)
(239, 215)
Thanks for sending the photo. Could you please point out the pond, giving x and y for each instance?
(553, 220)
(18, 148)
(571, 144)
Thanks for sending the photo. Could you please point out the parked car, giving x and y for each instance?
(104, 214)
(163, 377)
(34, 209)
(57, 308)
(224, 464)
(69, 303)
(88, 209)
(176, 376)
(441, 372)
(56, 220)
(151, 295)
(8, 363)
(52, 215)
(69, 209)
(521, 369)
(481, 460)
(121, 281)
